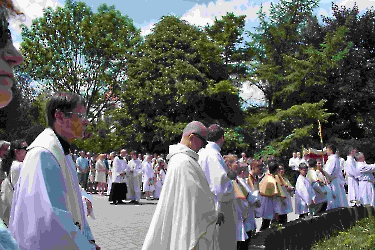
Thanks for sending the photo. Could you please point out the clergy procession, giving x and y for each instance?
(206, 200)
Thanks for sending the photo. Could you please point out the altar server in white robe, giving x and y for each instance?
(352, 176)
(271, 195)
(160, 177)
(286, 205)
(119, 188)
(185, 215)
(305, 195)
(318, 186)
(220, 183)
(47, 210)
(324, 178)
(253, 199)
(148, 177)
(134, 178)
(366, 180)
(332, 167)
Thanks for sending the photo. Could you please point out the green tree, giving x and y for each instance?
(73, 49)
(290, 70)
(178, 76)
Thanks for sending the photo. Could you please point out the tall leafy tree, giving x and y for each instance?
(228, 33)
(178, 76)
(291, 69)
(74, 49)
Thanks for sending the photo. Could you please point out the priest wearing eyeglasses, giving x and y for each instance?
(47, 210)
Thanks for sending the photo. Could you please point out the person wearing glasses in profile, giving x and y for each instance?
(48, 196)
(219, 178)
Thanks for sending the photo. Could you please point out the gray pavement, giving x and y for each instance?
(126, 226)
(120, 226)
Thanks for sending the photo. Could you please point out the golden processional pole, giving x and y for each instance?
(321, 140)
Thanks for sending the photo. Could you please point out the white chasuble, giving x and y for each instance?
(185, 215)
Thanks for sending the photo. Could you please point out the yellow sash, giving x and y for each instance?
(238, 191)
(269, 186)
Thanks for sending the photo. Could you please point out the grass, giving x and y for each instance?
(360, 236)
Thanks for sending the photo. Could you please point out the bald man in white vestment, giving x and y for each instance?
(221, 186)
(185, 216)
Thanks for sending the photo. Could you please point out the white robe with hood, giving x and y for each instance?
(185, 215)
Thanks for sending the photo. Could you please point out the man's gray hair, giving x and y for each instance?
(357, 155)
(194, 127)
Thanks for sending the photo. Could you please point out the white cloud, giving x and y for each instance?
(362, 5)
(32, 9)
(202, 14)
(17, 45)
(145, 30)
(252, 93)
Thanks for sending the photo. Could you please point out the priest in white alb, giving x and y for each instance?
(134, 175)
(332, 167)
(47, 210)
(352, 176)
(185, 215)
(221, 186)
(148, 177)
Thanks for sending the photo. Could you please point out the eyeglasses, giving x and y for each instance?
(83, 116)
(24, 148)
(201, 138)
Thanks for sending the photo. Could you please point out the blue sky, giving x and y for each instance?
(145, 13)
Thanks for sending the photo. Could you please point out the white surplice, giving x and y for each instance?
(327, 189)
(134, 179)
(332, 167)
(119, 167)
(47, 202)
(352, 179)
(15, 171)
(147, 174)
(221, 186)
(253, 198)
(159, 183)
(366, 183)
(185, 215)
(304, 195)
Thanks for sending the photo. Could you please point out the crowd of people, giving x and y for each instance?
(121, 175)
(206, 200)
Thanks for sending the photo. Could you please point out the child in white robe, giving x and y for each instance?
(324, 179)
(286, 205)
(305, 196)
(253, 199)
(318, 186)
(270, 196)
(160, 176)
(242, 209)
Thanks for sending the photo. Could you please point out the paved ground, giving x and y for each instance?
(125, 226)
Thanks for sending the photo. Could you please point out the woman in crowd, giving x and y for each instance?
(101, 171)
(11, 165)
(160, 176)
